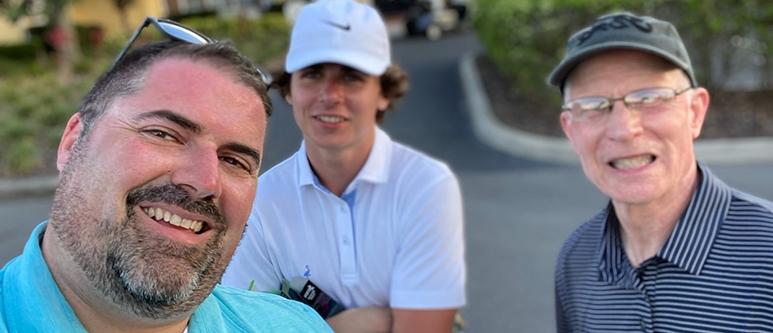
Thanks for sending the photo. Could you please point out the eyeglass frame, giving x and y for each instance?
(200, 39)
(630, 105)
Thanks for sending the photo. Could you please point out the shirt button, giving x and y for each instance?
(643, 325)
(346, 240)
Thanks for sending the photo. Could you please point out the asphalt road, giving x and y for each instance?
(517, 211)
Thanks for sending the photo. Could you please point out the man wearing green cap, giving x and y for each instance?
(675, 249)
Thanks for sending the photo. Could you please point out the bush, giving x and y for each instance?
(262, 40)
(526, 38)
(34, 107)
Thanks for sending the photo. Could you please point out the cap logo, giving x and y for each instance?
(616, 22)
(344, 27)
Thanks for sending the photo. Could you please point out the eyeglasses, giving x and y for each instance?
(596, 108)
(176, 31)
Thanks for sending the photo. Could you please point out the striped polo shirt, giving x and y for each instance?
(714, 273)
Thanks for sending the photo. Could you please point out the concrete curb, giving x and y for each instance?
(557, 150)
(11, 188)
(499, 136)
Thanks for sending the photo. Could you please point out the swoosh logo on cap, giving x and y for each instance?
(345, 27)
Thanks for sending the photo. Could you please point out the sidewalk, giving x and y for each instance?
(557, 150)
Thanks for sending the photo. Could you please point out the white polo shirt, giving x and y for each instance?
(393, 239)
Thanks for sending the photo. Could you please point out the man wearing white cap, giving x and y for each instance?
(373, 224)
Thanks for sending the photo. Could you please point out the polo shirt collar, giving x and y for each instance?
(375, 169)
(690, 241)
(692, 238)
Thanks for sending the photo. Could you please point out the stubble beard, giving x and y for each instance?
(147, 274)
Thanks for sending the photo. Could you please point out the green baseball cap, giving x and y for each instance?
(623, 30)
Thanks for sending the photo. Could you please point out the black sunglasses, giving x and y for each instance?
(176, 31)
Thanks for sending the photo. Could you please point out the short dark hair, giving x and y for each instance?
(126, 77)
(394, 85)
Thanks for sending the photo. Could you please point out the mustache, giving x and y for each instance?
(175, 195)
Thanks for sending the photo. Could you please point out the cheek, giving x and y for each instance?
(237, 198)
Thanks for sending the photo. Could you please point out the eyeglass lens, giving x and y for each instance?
(181, 33)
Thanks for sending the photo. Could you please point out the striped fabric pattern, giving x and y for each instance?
(714, 274)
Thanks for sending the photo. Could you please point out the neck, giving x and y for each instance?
(336, 168)
(646, 227)
(94, 310)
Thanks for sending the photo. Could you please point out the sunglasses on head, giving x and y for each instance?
(175, 31)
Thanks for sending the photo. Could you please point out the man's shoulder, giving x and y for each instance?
(584, 241)
(753, 204)
(421, 167)
(261, 311)
(281, 170)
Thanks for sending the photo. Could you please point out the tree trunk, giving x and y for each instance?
(68, 50)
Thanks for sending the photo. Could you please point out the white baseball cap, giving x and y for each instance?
(339, 31)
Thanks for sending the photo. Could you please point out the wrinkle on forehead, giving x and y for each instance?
(639, 67)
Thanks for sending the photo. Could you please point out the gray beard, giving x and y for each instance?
(145, 273)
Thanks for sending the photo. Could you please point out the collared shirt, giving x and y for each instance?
(714, 273)
(394, 238)
(30, 301)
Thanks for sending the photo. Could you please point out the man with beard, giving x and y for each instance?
(158, 167)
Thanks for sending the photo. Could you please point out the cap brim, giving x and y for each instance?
(358, 61)
(560, 73)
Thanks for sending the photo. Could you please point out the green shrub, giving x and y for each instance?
(526, 38)
(34, 106)
(262, 40)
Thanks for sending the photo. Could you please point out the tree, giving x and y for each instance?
(60, 34)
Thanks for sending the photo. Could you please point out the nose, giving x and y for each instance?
(623, 123)
(332, 91)
(199, 173)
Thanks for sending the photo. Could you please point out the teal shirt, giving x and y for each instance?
(30, 301)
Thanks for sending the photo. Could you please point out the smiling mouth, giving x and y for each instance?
(632, 162)
(330, 119)
(163, 216)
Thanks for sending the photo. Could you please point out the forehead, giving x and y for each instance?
(332, 66)
(199, 90)
(621, 71)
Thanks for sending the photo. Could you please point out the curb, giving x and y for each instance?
(11, 188)
(557, 150)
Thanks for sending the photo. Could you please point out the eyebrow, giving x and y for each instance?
(196, 128)
(245, 150)
(173, 117)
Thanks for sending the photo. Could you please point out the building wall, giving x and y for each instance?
(11, 33)
(90, 12)
(103, 13)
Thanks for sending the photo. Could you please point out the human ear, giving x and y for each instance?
(699, 105)
(566, 126)
(72, 132)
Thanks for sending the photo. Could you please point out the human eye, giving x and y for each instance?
(161, 134)
(589, 108)
(353, 76)
(237, 163)
(648, 97)
(311, 73)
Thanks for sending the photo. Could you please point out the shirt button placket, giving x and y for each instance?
(347, 250)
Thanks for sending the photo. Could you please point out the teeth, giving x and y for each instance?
(331, 119)
(196, 226)
(633, 162)
(175, 220)
(159, 214)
